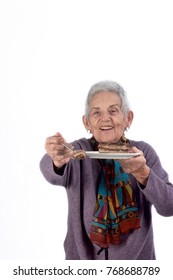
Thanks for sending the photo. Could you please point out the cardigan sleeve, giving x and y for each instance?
(50, 174)
(159, 190)
(160, 193)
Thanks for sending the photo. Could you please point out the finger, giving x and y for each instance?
(61, 160)
(62, 156)
(55, 147)
(134, 150)
(68, 146)
(58, 134)
(55, 139)
(54, 142)
(61, 153)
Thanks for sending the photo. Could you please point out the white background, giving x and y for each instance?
(51, 52)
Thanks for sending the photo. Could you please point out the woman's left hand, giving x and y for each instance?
(137, 166)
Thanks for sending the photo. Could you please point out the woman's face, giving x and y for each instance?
(106, 120)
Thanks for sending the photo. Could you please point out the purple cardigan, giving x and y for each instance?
(80, 178)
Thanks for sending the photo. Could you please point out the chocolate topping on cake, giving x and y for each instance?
(113, 147)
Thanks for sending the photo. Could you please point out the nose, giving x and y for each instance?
(105, 117)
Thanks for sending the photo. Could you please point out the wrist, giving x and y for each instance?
(58, 170)
(142, 175)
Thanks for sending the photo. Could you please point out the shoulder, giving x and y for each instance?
(141, 145)
(149, 152)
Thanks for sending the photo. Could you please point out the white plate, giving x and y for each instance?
(111, 155)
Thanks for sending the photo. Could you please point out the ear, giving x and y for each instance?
(130, 116)
(86, 123)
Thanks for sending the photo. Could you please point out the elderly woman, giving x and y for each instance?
(109, 213)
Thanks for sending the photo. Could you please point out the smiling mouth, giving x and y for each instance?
(106, 128)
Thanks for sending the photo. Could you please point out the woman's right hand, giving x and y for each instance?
(54, 148)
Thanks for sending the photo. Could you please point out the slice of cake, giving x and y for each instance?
(113, 147)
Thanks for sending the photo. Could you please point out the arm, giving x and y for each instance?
(54, 175)
(151, 178)
(158, 190)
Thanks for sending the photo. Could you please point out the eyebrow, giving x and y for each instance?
(113, 105)
(95, 108)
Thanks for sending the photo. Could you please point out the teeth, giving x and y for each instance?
(106, 128)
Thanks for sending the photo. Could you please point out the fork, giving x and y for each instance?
(67, 147)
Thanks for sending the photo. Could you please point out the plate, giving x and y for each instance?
(99, 155)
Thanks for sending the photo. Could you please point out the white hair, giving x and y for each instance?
(109, 86)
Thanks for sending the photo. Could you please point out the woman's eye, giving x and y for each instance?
(113, 111)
